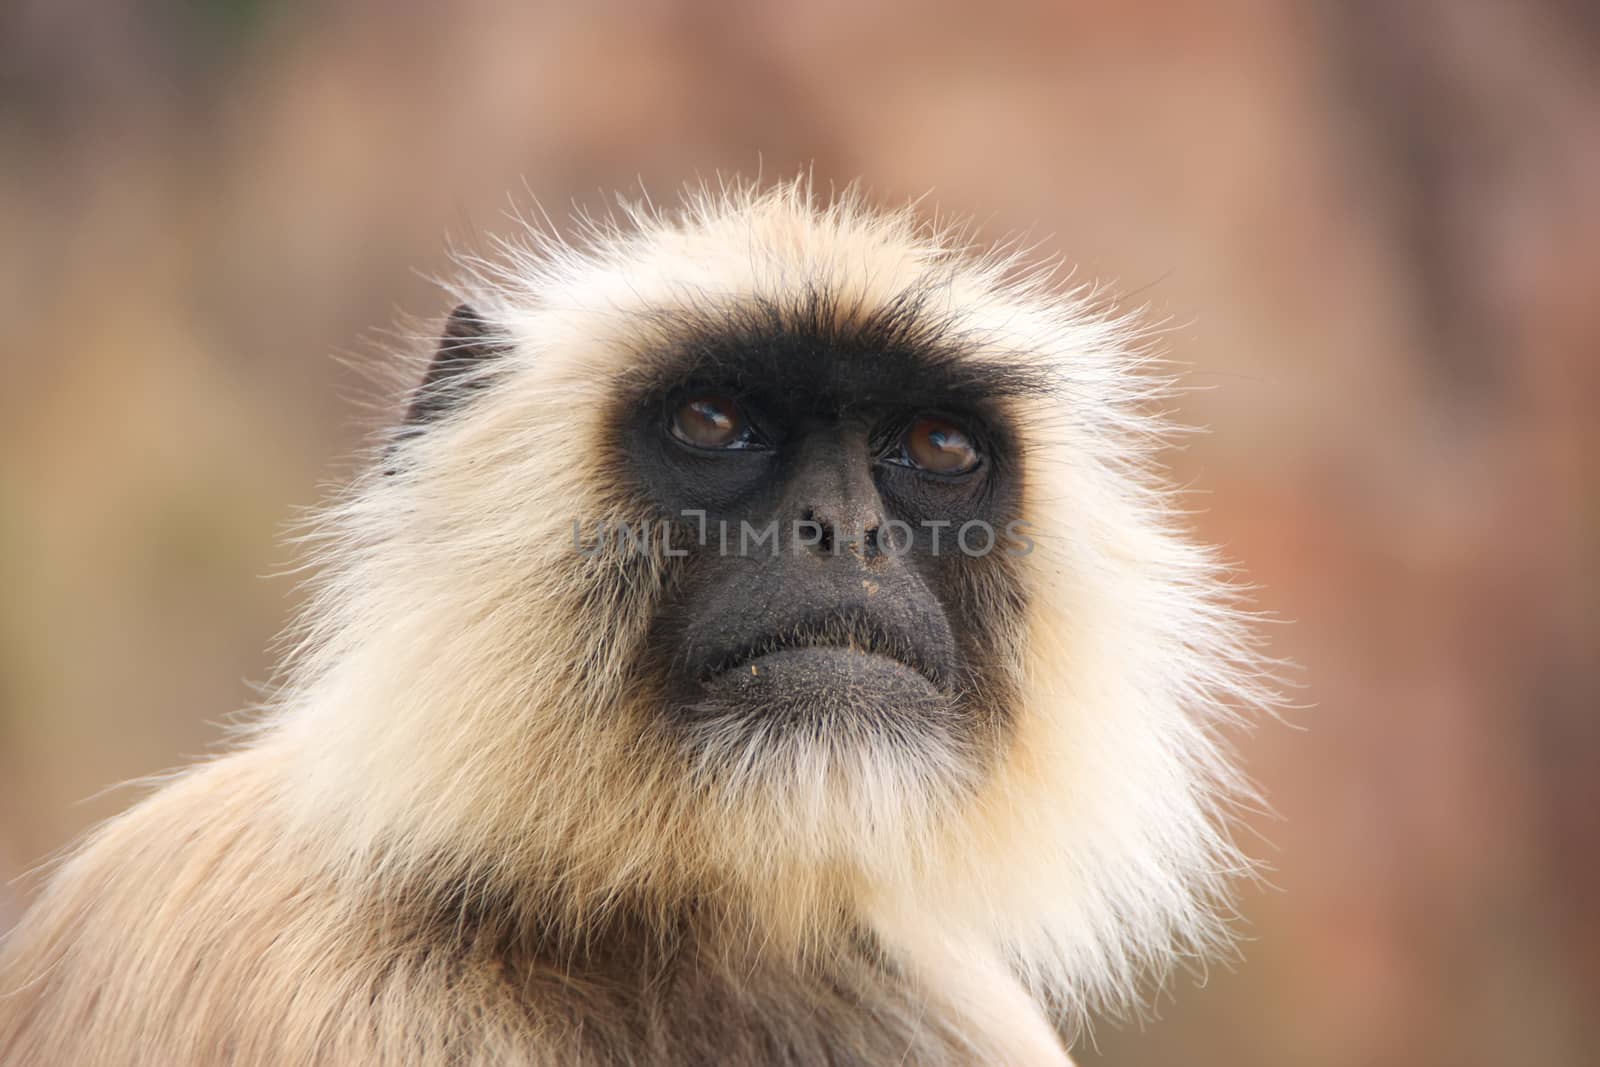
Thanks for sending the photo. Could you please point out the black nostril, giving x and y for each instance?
(821, 530)
(824, 530)
(871, 543)
(867, 543)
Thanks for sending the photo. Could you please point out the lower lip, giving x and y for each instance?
(827, 664)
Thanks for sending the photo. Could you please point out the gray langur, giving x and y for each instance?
(767, 639)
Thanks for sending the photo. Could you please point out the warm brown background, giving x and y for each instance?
(1375, 225)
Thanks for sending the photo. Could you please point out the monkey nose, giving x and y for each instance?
(859, 535)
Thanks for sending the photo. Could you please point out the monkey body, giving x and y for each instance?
(193, 931)
(845, 799)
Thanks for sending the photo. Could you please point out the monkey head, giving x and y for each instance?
(793, 561)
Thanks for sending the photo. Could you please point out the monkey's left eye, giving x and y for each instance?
(712, 420)
(936, 444)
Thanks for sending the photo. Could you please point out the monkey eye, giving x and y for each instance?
(712, 420)
(936, 444)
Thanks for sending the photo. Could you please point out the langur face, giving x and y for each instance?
(845, 538)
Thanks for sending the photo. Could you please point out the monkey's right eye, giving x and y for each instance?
(712, 420)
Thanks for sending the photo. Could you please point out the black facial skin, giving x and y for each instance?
(850, 631)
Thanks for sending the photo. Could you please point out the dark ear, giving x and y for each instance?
(467, 342)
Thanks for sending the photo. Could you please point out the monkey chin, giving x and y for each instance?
(832, 691)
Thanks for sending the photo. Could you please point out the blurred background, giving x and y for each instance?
(1374, 225)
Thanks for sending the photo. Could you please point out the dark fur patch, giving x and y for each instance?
(672, 990)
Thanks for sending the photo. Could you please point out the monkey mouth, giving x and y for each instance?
(848, 643)
(813, 690)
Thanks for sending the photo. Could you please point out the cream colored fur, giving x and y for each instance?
(459, 715)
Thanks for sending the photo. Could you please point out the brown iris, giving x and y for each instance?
(711, 420)
(938, 445)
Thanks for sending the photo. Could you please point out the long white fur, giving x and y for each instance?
(457, 705)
